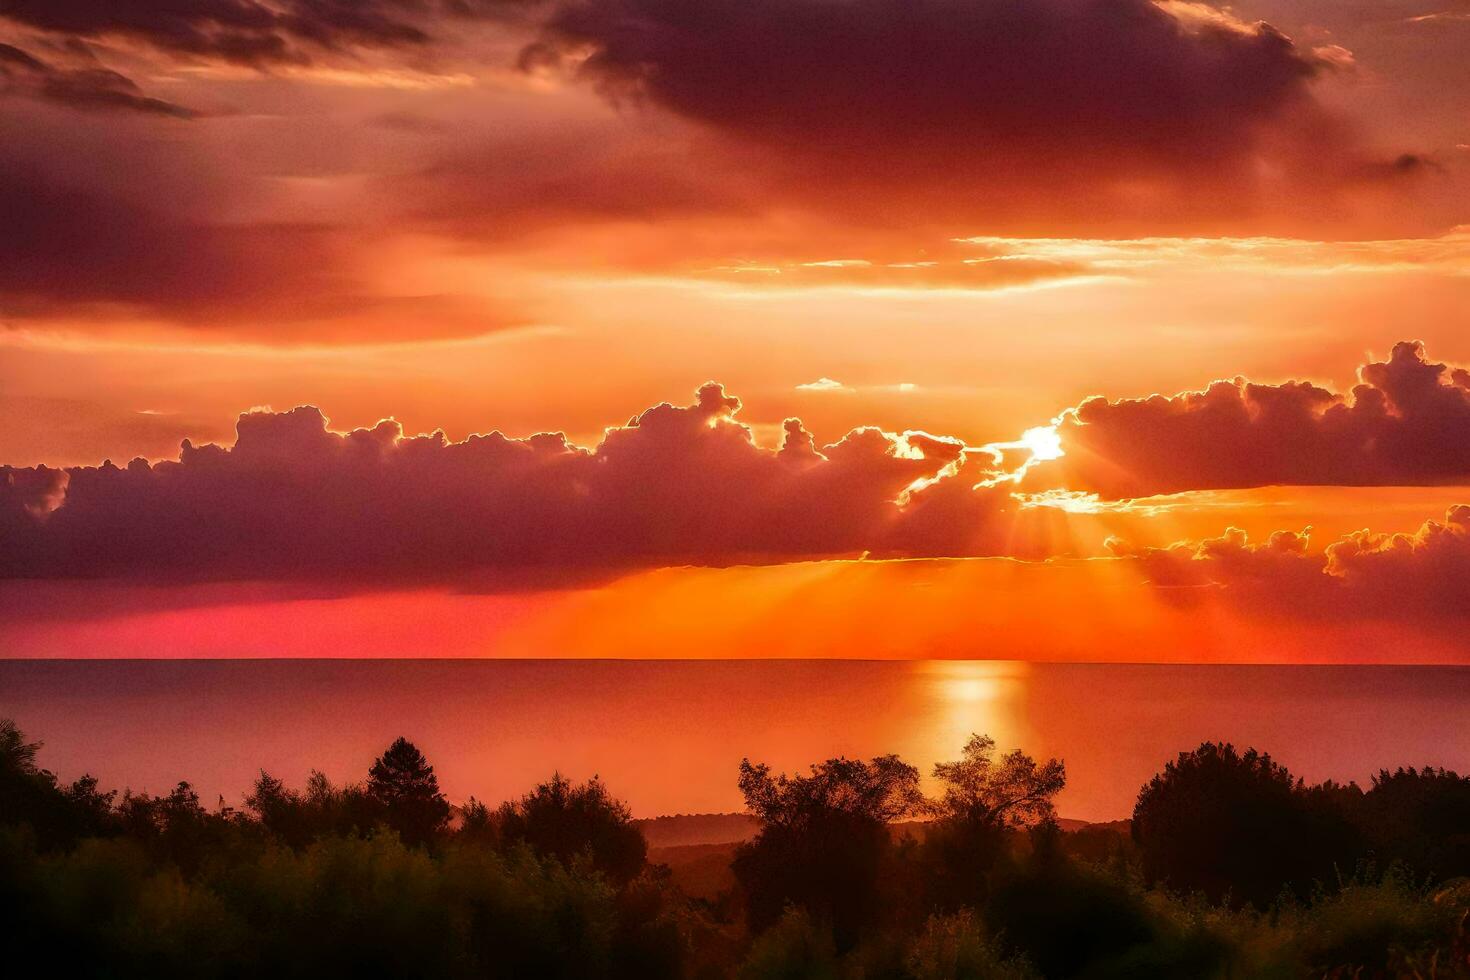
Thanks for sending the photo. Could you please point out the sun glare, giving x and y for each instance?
(1043, 442)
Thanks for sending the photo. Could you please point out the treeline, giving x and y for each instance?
(1231, 868)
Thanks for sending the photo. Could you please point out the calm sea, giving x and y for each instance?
(667, 736)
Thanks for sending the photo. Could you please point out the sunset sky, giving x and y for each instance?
(1046, 329)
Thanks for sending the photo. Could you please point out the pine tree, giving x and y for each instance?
(403, 784)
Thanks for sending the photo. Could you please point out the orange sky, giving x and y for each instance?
(533, 217)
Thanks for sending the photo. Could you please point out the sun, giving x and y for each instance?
(1043, 442)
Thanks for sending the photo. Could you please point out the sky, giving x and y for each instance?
(1048, 329)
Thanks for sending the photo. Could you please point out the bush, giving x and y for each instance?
(1370, 926)
(954, 947)
(107, 909)
(795, 948)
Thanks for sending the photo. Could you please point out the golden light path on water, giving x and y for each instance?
(970, 697)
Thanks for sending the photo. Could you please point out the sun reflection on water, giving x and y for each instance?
(970, 696)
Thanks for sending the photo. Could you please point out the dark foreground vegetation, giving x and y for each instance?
(1231, 868)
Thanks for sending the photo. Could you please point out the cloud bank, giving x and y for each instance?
(1407, 422)
(292, 499)
(1425, 573)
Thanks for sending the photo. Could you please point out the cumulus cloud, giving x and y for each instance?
(1407, 422)
(1426, 572)
(292, 499)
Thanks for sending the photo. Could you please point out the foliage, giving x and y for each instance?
(371, 879)
(1420, 817)
(824, 841)
(954, 947)
(574, 822)
(796, 948)
(1236, 827)
(58, 815)
(983, 804)
(403, 784)
(1011, 792)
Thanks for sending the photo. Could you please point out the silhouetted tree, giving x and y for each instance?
(1234, 826)
(175, 827)
(91, 810)
(569, 822)
(403, 783)
(984, 800)
(343, 810)
(1420, 817)
(282, 811)
(1013, 791)
(477, 823)
(823, 840)
(58, 815)
(180, 889)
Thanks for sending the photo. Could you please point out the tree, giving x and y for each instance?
(58, 815)
(27, 792)
(985, 800)
(280, 810)
(1234, 826)
(1420, 817)
(175, 827)
(403, 783)
(569, 822)
(883, 790)
(823, 841)
(16, 754)
(1013, 792)
(477, 823)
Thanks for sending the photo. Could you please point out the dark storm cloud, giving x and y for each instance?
(904, 88)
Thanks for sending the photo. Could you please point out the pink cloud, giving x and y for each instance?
(679, 484)
(1407, 422)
